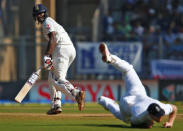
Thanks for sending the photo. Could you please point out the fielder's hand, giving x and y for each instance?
(47, 62)
(167, 125)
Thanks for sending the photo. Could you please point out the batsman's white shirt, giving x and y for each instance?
(63, 55)
(64, 52)
(50, 25)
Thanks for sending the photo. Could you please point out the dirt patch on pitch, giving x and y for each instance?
(65, 115)
(43, 116)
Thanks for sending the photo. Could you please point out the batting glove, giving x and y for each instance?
(47, 62)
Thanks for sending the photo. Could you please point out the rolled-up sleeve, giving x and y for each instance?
(167, 108)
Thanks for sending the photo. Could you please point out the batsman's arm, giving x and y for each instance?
(51, 43)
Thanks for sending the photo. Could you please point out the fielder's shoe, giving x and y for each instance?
(80, 98)
(106, 56)
(54, 111)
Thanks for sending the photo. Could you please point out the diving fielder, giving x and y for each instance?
(135, 107)
(58, 56)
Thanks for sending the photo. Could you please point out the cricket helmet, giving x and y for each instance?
(38, 9)
(155, 110)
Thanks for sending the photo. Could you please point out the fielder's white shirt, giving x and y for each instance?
(134, 108)
(50, 25)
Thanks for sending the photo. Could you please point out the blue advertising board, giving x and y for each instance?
(89, 59)
(167, 69)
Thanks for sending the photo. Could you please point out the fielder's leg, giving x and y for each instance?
(133, 83)
(110, 105)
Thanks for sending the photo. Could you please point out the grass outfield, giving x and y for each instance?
(32, 117)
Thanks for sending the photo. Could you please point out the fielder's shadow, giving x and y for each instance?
(89, 125)
(114, 126)
(107, 125)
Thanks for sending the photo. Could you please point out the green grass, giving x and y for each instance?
(32, 117)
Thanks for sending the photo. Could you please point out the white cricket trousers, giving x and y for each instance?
(133, 87)
(62, 56)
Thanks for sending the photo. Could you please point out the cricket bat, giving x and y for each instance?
(27, 86)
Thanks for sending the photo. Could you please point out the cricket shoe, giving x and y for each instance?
(80, 98)
(106, 56)
(55, 110)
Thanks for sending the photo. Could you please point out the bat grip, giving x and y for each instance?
(38, 71)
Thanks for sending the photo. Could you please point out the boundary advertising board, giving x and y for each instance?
(113, 89)
(89, 59)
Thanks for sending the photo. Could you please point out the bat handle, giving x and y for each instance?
(39, 70)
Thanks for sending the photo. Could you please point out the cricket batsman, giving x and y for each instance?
(135, 107)
(59, 55)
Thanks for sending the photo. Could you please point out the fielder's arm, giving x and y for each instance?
(171, 118)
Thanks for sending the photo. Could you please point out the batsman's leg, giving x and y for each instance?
(110, 105)
(55, 97)
(62, 60)
(56, 109)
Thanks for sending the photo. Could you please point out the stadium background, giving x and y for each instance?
(147, 33)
